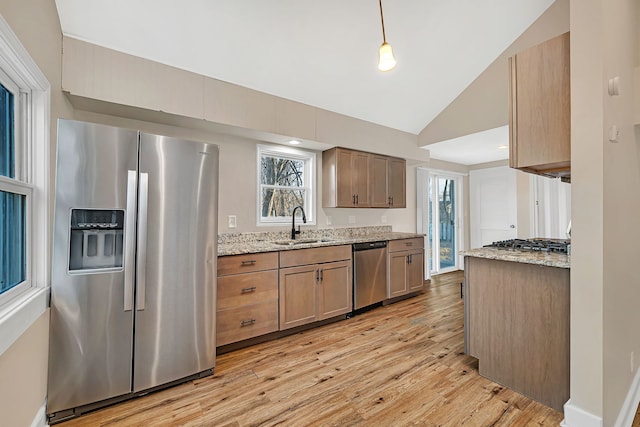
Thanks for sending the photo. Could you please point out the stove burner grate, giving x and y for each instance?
(544, 245)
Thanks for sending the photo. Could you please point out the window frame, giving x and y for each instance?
(309, 158)
(16, 187)
(22, 305)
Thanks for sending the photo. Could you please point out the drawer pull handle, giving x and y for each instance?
(247, 290)
(247, 322)
(249, 262)
(408, 243)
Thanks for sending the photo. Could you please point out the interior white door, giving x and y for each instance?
(493, 207)
(552, 207)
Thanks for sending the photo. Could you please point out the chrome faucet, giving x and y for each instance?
(293, 221)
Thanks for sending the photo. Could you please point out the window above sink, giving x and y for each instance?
(286, 179)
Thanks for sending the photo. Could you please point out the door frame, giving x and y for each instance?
(424, 215)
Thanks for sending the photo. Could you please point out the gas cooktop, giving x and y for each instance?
(545, 245)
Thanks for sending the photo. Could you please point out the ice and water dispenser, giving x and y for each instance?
(96, 240)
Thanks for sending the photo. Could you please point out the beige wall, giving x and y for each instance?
(604, 286)
(621, 229)
(23, 369)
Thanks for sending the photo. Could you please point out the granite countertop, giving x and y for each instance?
(550, 259)
(246, 243)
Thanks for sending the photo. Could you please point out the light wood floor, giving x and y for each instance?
(398, 365)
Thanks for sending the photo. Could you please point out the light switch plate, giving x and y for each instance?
(352, 219)
(232, 223)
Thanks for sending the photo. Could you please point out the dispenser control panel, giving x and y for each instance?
(97, 239)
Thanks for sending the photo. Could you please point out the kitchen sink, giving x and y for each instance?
(299, 242)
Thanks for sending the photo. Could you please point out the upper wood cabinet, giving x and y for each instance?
(397, 187)
(540, 109)
(352, 178)
(345, 178)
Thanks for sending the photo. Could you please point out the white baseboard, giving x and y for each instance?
(628, 410)
(578, 417)
(40, 420)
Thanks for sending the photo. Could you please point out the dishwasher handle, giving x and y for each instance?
(369, 245)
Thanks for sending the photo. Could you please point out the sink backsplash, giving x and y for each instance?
(318, 233)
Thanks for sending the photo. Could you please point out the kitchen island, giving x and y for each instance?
(517, 320)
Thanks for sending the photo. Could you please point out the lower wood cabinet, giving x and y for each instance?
(319, 290)
(262, 293)
(247, 302)
(406, 267)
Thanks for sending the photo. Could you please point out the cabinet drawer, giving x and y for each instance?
(245, 322)
(298, 257)
(406, 244)
(250, 288)
(246, 263)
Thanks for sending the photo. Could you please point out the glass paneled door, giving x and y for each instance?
(442, 222)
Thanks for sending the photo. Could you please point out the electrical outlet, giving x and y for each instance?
(329, 220)
(383, 219)
(352, 219)
(232, 222)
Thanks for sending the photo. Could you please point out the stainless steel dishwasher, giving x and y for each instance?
(369, 273)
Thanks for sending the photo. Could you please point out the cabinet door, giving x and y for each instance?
(360, 184)
(298, 296)
(334, 289)
(345, 177)
(397, 183)
(415, 272)
(379, 182)
(397, 274)
(540, 109)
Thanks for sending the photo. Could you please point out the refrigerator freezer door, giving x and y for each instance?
(175, 324)
(91, 332)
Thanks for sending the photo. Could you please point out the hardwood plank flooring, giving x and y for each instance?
(397, 365)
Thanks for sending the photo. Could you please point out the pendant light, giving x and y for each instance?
(386, 59)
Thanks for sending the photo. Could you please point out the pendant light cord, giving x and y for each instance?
(384, 38)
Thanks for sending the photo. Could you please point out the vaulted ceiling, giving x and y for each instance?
(321, 53)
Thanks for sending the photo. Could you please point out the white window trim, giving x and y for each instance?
(21, 309)
(310, 176)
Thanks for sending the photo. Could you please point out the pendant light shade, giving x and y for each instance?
(386, 60)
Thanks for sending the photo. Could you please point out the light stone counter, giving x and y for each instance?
(246, 243)
(550, 259)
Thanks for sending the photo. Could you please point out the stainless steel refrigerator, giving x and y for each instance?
(134, 265)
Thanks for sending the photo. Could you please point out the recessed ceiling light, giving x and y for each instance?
(502, 147)
(295, 142)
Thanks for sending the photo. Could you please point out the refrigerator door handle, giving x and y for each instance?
(141, 270)
(130, 239)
